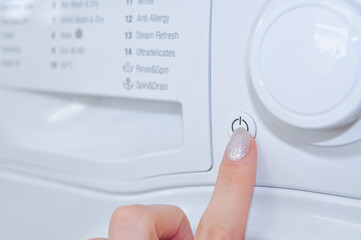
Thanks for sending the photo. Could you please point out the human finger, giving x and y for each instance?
(139, 222)
(227, 212)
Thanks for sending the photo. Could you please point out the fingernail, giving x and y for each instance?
(238, 145)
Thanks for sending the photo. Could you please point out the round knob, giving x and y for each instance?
(305, 58)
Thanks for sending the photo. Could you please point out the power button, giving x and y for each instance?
(242, 119)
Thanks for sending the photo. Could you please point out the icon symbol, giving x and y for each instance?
(127, 84)
(54, 65)
(79, 33)
(127, 67)
(244, 120)
(240, 123)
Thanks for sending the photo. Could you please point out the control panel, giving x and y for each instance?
(106, 103)
(102, 91)
(149, 49)
(131, 96)
(292, 68)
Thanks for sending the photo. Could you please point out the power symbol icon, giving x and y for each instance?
(240, 122)
(242, 119)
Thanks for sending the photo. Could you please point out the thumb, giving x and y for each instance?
(227, 212)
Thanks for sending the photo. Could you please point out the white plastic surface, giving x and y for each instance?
(107, 95)
(101, 129)
(46, 210)
(33, 192)
(305, 61)
(327, 161)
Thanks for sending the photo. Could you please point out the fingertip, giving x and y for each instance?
(241, 149)
(234, 188)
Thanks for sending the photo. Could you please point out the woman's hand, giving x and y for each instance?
(227, 212)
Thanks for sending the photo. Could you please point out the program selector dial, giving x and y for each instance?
(304, 62)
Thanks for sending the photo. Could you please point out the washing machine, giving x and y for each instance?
(111, 103)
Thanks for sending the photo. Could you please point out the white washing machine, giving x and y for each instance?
(110, 103)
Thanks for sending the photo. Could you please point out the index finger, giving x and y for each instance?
(227, 212)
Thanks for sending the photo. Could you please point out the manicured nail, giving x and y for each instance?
(238, 145)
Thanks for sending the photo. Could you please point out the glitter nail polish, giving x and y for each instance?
(238, 144)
